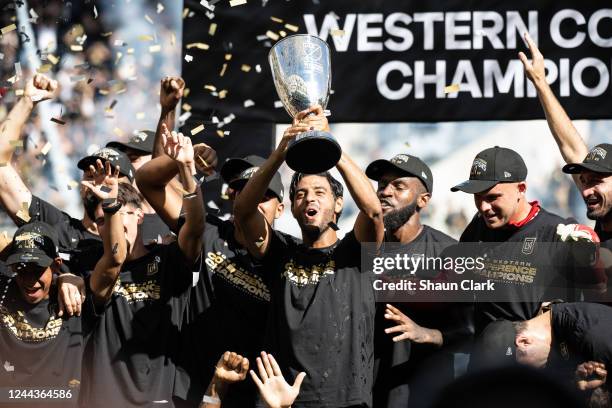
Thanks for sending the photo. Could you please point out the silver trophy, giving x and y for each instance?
(301, 69)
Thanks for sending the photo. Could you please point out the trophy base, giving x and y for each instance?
(313, 152)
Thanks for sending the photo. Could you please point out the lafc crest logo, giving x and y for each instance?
(528, 246)
(153, 267)
(596, 154)
(400, 159)
(479, 166)
(106, 153)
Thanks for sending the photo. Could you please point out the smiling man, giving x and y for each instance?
(523, 242)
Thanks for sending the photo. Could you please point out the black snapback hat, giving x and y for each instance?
(276, 185)
(404, 163)
(233, 166)
(598, 160)
(114, 156)
(142, 141)
(35, 242)
(492, 166)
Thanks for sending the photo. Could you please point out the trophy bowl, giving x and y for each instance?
(301, 70)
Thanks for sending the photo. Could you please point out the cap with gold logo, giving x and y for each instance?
(36, 243)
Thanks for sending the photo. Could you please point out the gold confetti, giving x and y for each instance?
(272, 35)
(223, 70)
(202, 161)
(130, 51)
(54, 60)
(107, 34)
(16, 143)
(46, 148)
(44, 68)
(72, 184)
(185, 12)
(186, 92)
(337, 32)
(118, 132)
(173, 39)
(212, 29)
(104, 92)
(155, 48)
(186, 107)
(18, 92)
(282, 33)
(140, 115)
(220, 133)
(145, 37)
(292, 27)
(228, 57)
(197, 130)
(10, 28)
(276, 19)
(222, 94)
(451, 88)
(76, 47)
(234, 3)
(245, 67)
(149, 20)
(211, 88)
(198, 45)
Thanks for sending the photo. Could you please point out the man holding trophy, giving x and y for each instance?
(322, 314)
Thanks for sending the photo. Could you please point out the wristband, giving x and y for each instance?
(190, 195)
(111, 209)
(211, 400)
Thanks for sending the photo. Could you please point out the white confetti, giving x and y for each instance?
(248, 103)
(188, 58)
(278, 104)
(95, 12)
(160, 8)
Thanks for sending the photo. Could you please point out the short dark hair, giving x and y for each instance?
(336, 186)
(519, 326)
(127, 194)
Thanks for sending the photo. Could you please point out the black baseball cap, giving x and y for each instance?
(492, 166)
(276, 185)
(598, 160)
(142, 141)
(404, 163)
(114, 156)
(35, 242)
(496, 345)
(233, 166)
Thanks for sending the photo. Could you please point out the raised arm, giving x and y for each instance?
(369, 225)
(178, 148)
(572, 147)
(256, 230)
(171, 91)
(230, 369)
(13, 191)
(105, 186)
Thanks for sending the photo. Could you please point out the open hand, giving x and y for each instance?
(535, 68)
(274, 390)
(105, 184)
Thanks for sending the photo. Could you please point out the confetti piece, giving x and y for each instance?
(10, 28)
(130, 51)
(16, 143)
(107, 34)
(278, 104)
(197, 130)
(327, 112)
(220, 133)
(210, 87)
(228, 57)
(145, 37)
(272, 35)
(222, 94)
(245, 67)
(186, 107)
(248, 103)
(185, 12)
(95, 10)
(72, 184)
(54, 60)
(292, 27)
(202, 161)
(173, 39)
(207, 5)
(160, 8)
(258, 68)
(18, 92)
(337, 33)
(451, 88)
(188, 58)
(276, 19)
(155, 48)
(18, 69)
(44, 68)
(186, 92)
(34, 16)
(212, 29)
(282, 33)
(234, 3)
(46, 148)
(76, 48)
(149, 19)
(12, 80)
(223, 69)
(118, 132)
(58, 121)
(140, 115)
(198, 45)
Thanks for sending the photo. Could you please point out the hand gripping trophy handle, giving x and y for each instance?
(301, 69)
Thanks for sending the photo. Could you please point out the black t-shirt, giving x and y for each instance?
(38, 348)
(322, 320)
(400, 365)
(581, 332)
(525, 264)
(232, 297)
(134, 347)
(153, 229)
(605, 237)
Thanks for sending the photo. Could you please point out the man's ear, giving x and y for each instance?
(140, 215)
(423, 200)
(522, 187)
(522, 340)
(338, 205)
(280, 207)
(56, 264)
